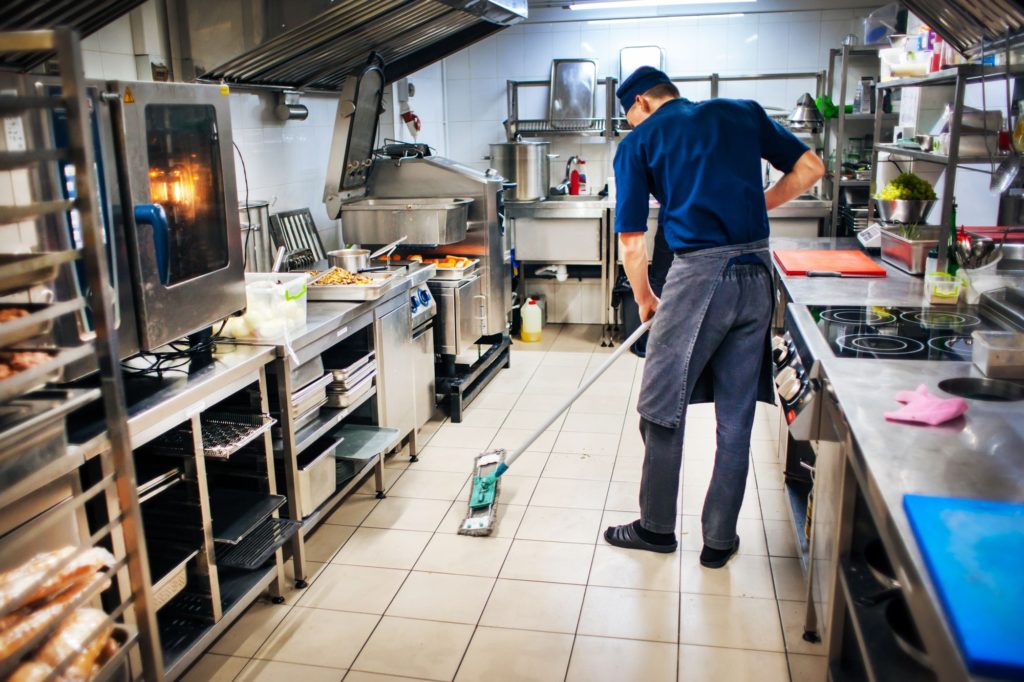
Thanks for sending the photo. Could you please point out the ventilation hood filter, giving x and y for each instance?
(965, 23)
(316, 44)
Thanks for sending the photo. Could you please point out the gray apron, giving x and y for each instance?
(691, 284)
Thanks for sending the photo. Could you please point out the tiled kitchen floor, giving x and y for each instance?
(399, 595)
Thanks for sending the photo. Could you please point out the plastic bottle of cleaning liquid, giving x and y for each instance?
(583, 178)
(530, 332)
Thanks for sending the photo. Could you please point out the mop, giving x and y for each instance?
(489, 466)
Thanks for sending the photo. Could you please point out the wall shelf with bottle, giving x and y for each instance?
(846, 141)
(957, 78)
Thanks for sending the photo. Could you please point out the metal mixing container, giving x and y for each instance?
(528, 164)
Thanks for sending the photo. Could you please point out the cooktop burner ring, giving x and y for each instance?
(879, 344)
(945, 344)
(858, 316)
(940, 319)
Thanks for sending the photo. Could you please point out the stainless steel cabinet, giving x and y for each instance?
(461, 313)
(393, 331)
(424, 384)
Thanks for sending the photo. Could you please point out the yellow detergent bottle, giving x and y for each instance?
(530, 332)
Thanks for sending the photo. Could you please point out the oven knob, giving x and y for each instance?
(415, 303)
(424, 297)
(790, 389)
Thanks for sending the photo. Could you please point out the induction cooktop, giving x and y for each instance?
(899, 333)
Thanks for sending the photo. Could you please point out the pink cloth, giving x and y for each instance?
(922, 407)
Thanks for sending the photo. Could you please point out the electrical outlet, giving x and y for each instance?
(14, 134)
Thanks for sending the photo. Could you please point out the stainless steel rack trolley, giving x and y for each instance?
(54, 499)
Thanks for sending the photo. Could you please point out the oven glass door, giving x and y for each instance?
(178, 186)
(185, 178)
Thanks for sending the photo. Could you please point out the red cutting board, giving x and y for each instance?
(800, 261)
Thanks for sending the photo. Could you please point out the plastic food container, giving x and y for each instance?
(999, 354)
(942, 288)
(275, 306)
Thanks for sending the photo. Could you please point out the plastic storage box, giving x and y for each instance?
(275, 305)
(999, 354)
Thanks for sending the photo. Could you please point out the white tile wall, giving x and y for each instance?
(286, 162)
(110, 54)
(755, 43)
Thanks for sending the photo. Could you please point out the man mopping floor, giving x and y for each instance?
(710, 337)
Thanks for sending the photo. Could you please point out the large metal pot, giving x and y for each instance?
(525, 163)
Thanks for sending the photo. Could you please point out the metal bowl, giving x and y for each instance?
(352, 260)
(903, 211)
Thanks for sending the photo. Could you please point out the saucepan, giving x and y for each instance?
(358, 260)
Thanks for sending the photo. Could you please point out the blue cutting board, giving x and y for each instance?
(974, 550)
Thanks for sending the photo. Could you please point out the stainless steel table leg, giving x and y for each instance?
(378, 477)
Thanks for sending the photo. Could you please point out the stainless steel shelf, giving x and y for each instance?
(38, 321)
(237, 513)
(354, 472)
(328, 419)
(972, 73)
(931, 157)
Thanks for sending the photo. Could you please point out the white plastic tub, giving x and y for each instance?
(275, 306)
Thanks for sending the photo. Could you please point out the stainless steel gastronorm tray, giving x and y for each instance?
(352, 379)
(345, 372)
(20, 271)
(36, 377)
(456, 273)
(382, 281)
(352, 395)
(39, 320)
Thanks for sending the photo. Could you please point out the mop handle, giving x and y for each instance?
(612, 357)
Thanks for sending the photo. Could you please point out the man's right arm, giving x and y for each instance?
(634, 262)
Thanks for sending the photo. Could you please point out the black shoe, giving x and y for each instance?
(626, 536)
(716, 558)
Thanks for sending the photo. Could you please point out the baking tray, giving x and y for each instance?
(345, 372)
(572, 92)
(39, 320)
(456, 273)
(351, 396)
(19, 271)
(236, 513)
(38, 376)
(382, 281)
(353, 379)
(257, 547)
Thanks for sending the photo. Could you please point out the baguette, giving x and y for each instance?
(70, 640)
(36, 620)
(22, 584)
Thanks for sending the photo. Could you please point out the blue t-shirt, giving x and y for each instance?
(702, 162)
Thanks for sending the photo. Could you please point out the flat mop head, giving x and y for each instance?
(483, 498)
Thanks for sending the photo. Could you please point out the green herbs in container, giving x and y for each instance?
(906, 199)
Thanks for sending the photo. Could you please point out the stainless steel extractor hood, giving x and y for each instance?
(965, 24)
(316, 44)
(84, 17)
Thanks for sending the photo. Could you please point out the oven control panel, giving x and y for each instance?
(422, 305)
(796, 383)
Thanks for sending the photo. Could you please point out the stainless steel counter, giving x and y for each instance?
(330, 321)
(588, 206)
(157, 405)
(896, 288)
(977, 456)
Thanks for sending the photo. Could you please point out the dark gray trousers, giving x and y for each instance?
(731, 343)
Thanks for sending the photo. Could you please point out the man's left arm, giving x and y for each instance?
(807, 170)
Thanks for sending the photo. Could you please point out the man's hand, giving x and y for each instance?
(648, 308)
